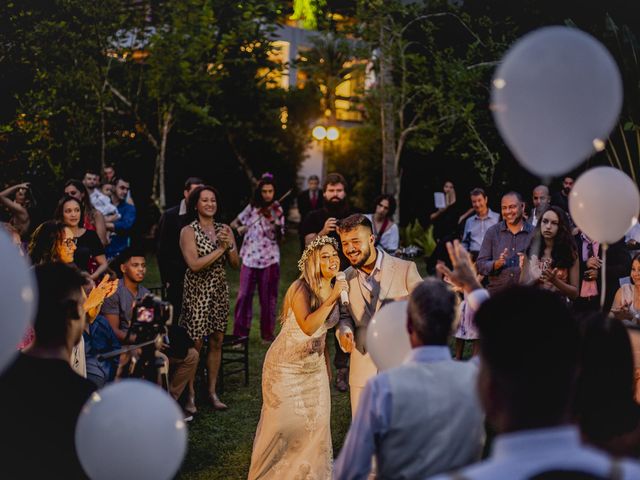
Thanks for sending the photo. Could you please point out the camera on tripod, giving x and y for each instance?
(151, 316)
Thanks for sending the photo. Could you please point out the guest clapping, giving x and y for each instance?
(551, 261)
(206, 246)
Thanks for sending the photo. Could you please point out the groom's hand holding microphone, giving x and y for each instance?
(345, 338)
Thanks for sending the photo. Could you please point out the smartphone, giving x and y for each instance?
(438, 200)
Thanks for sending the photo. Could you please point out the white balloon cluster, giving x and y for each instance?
(556, 96)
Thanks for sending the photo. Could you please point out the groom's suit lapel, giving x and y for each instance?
(357, 305)
(388, 270)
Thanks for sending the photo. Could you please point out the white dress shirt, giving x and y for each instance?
(520, 455)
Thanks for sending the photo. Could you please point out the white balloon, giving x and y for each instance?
(18, 299)
(387, 336)
(131, 429)
(604, 203)
(556, 96)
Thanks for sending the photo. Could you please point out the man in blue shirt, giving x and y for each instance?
(499, 256)
(121, 227)
(477, 224)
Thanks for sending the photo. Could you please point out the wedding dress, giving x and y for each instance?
(293, 439)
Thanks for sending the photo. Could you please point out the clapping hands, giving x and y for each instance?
(97, 296)
(226, 237)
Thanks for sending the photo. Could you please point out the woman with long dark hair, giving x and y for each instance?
(93, 219)
(551, 261)
(206, 246)
(262, 224)
(89, 254)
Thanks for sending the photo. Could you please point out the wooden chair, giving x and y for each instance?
(235, 359)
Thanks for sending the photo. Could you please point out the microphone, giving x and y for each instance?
(344, 295)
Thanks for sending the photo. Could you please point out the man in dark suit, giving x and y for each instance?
(170, 260)
(310, 199)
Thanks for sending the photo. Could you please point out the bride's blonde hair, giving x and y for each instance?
(310, 274)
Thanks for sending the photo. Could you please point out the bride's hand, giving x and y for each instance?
(338, 287)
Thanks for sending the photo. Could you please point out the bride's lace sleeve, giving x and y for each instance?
(333, 317)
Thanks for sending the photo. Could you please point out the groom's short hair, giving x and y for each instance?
(353, 221)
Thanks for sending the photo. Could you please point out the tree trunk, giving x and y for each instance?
(244, 164)
(159, 191)
(103, 139)
(387, 120)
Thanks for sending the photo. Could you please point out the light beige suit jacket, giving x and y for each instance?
(398, 278)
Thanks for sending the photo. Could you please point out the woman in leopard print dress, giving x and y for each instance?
(206, 245)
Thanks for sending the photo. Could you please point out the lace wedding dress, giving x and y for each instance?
(293, 439)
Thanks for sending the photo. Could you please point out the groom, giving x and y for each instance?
(374, 276)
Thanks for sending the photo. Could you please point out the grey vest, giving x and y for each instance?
(436, 422)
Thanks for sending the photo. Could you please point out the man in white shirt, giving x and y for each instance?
(526, 389)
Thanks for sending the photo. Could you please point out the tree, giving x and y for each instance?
(51, 67)
(424, 86)
(328, 63)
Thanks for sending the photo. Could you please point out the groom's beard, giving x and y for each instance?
(366, 253)
(337, 208)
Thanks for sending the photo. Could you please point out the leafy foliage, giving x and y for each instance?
(416, 234)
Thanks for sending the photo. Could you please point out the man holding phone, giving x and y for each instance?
(499, 255)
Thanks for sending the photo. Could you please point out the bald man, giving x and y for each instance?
(541, 200)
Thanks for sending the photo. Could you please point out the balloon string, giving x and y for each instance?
(603, 273)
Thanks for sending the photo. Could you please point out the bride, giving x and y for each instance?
(293, 439)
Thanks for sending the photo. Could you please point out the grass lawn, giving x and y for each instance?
(220, 442)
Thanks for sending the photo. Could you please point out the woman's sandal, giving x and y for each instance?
(216, 403)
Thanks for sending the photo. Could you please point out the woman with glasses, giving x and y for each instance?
(54, 242)
(89, 253)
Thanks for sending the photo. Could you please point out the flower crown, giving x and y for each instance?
(317, 242)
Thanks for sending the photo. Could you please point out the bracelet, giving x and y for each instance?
(231, 248)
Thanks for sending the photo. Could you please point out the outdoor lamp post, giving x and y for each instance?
(323, 134)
